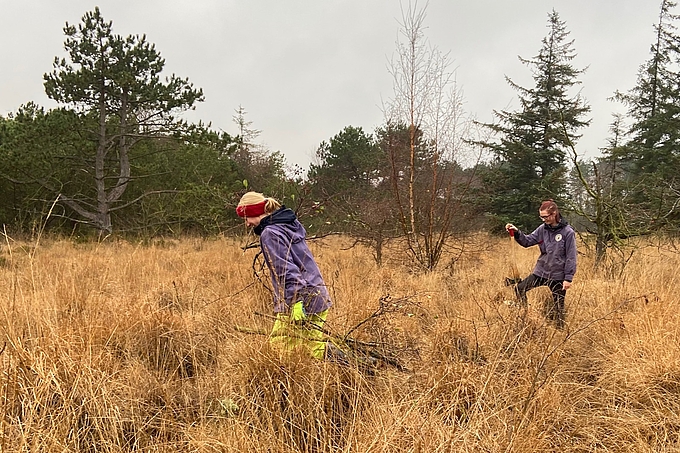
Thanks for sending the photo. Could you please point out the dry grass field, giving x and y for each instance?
(120, 347)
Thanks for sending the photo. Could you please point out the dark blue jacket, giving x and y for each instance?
(558, 250)
(294, 273)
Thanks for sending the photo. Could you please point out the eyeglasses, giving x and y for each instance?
(543, 217)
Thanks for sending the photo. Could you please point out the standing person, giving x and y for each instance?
(301, 300)
(556, 265)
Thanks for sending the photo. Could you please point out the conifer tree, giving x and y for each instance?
(532, 145)
(115, 84)
(652, 153)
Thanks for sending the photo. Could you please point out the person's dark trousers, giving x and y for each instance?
(554, 313)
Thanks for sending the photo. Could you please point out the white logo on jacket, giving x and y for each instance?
(558, 237)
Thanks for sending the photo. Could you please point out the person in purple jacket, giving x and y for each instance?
(301, 299)
(556, 265)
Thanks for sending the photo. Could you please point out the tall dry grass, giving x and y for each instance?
(124, 347)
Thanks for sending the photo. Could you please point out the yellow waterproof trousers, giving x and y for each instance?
(287, 335)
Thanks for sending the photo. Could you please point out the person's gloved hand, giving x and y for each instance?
(297, 312)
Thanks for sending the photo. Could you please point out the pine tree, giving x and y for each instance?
(115, 84)
(531, 151)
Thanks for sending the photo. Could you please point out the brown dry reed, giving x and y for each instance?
(121, 347)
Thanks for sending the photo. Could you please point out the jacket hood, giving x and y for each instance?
(561, 224)
(282, 216)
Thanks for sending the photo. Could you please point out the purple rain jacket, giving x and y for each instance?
(558, 250)
(295, 275)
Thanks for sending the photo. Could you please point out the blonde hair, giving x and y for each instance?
(249, 198)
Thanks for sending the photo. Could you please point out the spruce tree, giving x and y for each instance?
(652, 153)
(531, 150)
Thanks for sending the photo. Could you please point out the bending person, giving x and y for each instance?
(301, 300)
(556, 265)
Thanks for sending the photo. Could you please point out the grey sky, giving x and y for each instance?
(305, 69)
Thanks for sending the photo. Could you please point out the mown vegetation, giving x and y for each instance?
(119, 347)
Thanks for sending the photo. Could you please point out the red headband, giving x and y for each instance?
(251, 210)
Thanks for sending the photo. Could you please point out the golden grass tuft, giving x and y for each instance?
(121, 347)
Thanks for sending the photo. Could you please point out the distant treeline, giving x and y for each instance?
(116, 158)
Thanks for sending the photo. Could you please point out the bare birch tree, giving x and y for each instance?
(427, 103)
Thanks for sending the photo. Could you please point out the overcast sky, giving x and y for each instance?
(305, 69)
